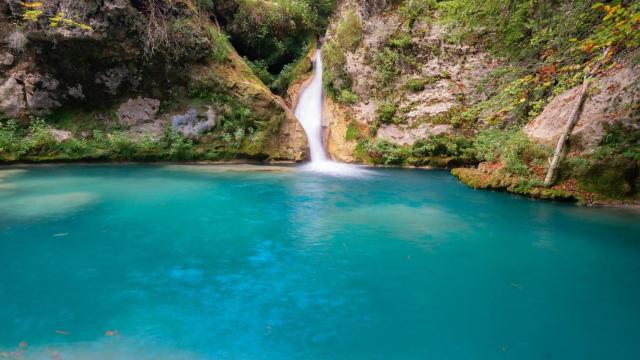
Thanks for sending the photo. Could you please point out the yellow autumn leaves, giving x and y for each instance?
(32, 11)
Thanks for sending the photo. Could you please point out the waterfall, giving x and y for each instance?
(309, 113)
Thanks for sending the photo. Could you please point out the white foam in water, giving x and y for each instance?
(309, 113)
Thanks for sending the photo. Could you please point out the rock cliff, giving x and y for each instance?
(58, 56)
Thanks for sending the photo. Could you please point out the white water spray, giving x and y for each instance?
(309, 113)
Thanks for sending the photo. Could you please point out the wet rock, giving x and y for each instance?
(138, 111)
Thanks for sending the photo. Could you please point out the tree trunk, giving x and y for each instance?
(568, 128)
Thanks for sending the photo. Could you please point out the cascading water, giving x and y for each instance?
(309, 113)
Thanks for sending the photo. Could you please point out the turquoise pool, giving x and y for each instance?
(206, 262)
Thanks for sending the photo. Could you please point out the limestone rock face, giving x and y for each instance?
(336, 125)
(40, 92)
(450, 73)
(32, 93)
(137, 111)
(614, 98)
(6, 59)
(192, 124)
(12, 100)
(285, 139)
(112, 78)
(403, 136)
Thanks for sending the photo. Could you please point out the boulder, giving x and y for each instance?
(6, 59)
(25, 91)
(192, 124)
(12, 100)
(41, 93)
(61, 135)
(613, 97)
(137, 111)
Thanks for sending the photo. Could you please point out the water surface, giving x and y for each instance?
(186, 262)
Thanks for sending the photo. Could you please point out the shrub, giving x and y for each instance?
(352, 131)
(519, 29)
(335, 78)
(10, 140)
(259, 68)
(415, 84)
(349, 32)
(219, 44)
(411, 10)
(487, 143)
(387, 65)
(348, 97)
(121, 147)
(386, 153)
(443, 145)
(402, 41)
(181, 149)
(74, 149)
(386, 113)
(512, 147)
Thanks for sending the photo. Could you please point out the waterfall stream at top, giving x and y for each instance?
(309, 113)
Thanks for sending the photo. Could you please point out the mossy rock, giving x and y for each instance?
(616, 178)
(502, 181)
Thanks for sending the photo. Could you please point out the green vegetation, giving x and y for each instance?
(395, 58)
(349, 31)
(290, 72)
(547, 57)
(386, 113)
(613, 169)
(412, 10)
(512, 147)
(237, 130)
(274, 34)
(386, 153)
(519, 29)
(416, 84)
(36, 143)
(337, 82)
(335, 79)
